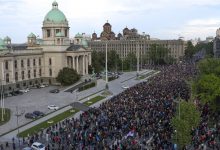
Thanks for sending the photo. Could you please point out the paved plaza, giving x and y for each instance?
(39, 99)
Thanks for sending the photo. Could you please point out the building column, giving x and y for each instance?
(12, 79)
(74, 67)
(77, 64)
(87, 64)
(83, 69)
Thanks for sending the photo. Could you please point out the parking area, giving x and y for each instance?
(39, 99)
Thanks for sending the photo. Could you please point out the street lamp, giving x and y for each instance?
(18, 115)
(106, 66)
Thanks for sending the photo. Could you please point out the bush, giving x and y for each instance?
(87, 86)
(67, 76)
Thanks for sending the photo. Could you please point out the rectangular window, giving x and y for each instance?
(15, 64)
(66, 33)
(22, 63)
(58, 30)
(34, 63)
(39, 62)
(48, 33)
(28, 62)
(6, 65)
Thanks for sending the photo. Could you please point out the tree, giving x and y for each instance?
(186, 118)
(159, 54)
(98, 59)
(190, 50)
(67, 76)
(113, 60)
(209, 65)
(208, 89)
(130, 61)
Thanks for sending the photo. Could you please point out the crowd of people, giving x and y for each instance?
(138, 118)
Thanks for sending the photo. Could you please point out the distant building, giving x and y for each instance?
(40, 60)
(216, 44)
(131, 41)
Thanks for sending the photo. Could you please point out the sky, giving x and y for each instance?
(163, 19)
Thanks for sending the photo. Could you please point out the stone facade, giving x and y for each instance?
(40, 60)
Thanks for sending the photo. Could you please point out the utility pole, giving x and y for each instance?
(138, 57)
(106, 65)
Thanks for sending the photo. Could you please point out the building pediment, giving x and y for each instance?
(74, 47)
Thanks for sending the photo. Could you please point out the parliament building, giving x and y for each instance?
(39, 60)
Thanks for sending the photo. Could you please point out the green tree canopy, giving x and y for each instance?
(67, 76)
(209, 65)
(159, 54)
(190, 50)
(187, 117)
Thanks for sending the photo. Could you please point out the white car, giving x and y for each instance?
(25, 90)
(52, 107)
(125, 86)
(42, 86)
(37, 146)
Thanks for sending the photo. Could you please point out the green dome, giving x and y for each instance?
(59, 34)
(2, 44)
(84, 43)
(55, 15)
(31, 35)
(78, 35)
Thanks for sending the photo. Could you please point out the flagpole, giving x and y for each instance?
(106, 65)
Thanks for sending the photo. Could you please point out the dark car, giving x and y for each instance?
(38, 113)
(55, 91)
(15, 93)
(30, 116)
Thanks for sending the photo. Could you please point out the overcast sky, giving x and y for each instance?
(164, 19)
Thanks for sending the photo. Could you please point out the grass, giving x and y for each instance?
(56, 119)
(93, 100)
(6, 116)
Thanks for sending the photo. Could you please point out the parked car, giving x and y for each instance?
(42, 86)
(52, 107)
(125, 86)
(27, 148)
(37, 146)
(30, 116)
(55, 91)
(25, 90)
(38, 113)
(15, 93)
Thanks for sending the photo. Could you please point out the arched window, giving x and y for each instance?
(50, 72)
(22, 75)
(29, 74)
(16, 76)
(50, 61)
(7, 77)
(6, 65)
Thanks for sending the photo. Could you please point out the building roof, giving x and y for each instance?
(31, 35)
(55, 15)
(74, 47)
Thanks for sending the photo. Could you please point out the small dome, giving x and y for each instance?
(59, 34)
(84, 43)
(2, 44)
(55, 15)
(78, 35)
(7, 38)
(31, 35)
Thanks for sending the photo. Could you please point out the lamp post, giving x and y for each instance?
(106, 65)
(18, 115)
(138, 57)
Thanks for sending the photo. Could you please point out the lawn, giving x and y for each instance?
(93, 100)
(58, 118)
(6, 116)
